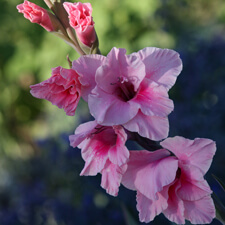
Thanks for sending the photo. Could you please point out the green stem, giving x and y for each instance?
(50, 5)
(59, 11)
(144, 142)
(62, 15)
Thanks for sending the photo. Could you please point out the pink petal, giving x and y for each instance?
(175, 209)
(152, 127)
(79, 14)
(94, 165)
(95, 155)
(190, 172)
(148, 209)
(83, 131)
(157, 168)
(193, 190)
(117, 65)
(95, 150)
(153, 99)
(162, 65)
(86, 34)
(201, 211)
(111, 177)
(86, 67)
(198, 152)
(109, 110)
(99, 143)
(203, 152)
(119, 154)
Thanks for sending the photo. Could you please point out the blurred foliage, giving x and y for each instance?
(40, 181)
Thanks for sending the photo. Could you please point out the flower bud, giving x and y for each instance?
(81, 20)
(39, 15)
(62, 89)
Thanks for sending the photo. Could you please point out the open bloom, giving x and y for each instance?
(62, 89)
(189, 196)
(149, 173)
(36, 14)
(132, 90)
(81, 20)
(175, 185)
(104, 151)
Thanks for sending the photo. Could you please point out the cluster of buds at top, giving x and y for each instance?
(72, 22)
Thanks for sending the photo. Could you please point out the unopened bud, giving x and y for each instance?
(80, 18)
(39, 15)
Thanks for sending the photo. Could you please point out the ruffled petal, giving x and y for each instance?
(203, 151)
(82, 132)
(198, 152)
(162, 65)
(152, 127)
(119, 154)
(148, 209)
(95, 156)
(117, 65)
(86, 67)
(111, 177)
(148, 172)
(175, 210)
(153, 99)
(193, 190)
(201, 211)
(108, 110)
(61, 89)
(95, 149)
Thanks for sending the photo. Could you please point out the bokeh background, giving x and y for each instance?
(39, 171)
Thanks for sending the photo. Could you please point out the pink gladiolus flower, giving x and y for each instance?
(132, 90)
(62, 89)
(149, 173)
(189, 196)
(179, 191)
(36, 14)
(81, 20)
(104, 151)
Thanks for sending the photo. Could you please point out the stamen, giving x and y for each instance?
(122, 80)
(118, 81)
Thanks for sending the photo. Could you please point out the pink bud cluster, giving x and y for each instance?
(128, 94)
(79, 17)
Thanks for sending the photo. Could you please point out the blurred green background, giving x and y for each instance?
(196, 29)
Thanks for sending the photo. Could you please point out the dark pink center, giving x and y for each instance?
(124, 89)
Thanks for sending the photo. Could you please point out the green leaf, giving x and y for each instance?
(220, 209)
(128, 217)
(219, 181)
